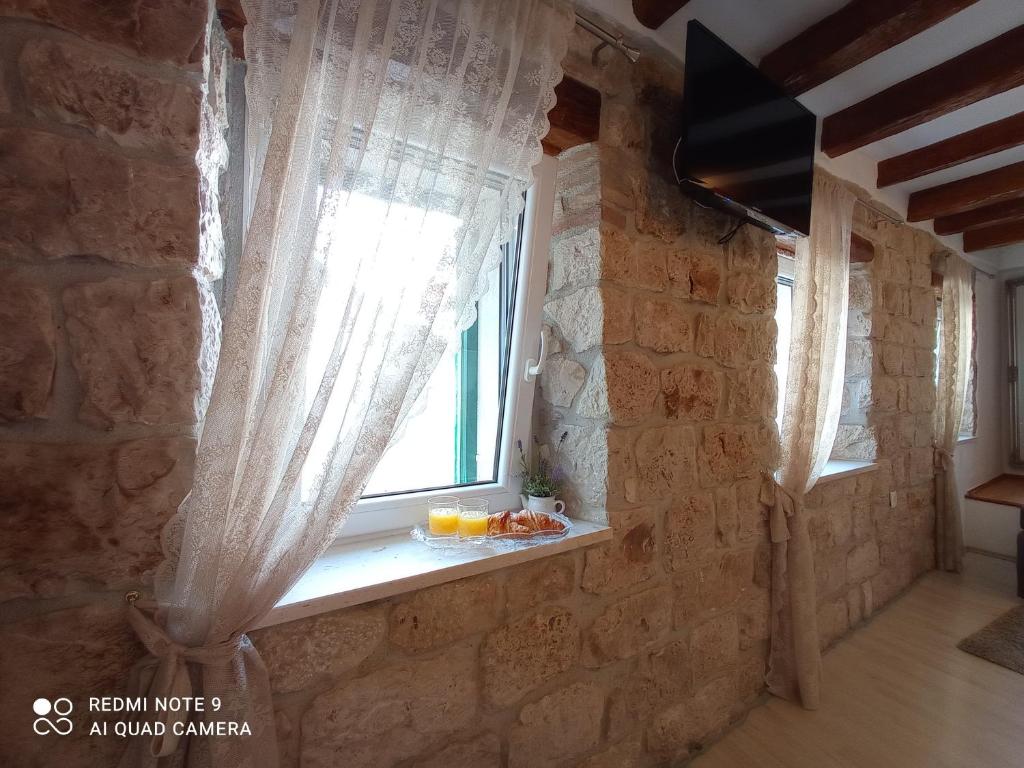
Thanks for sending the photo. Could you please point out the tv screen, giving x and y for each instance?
(747, 147)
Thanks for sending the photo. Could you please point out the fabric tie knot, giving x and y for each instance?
(943, 459)
(171, 679)
(787, 503)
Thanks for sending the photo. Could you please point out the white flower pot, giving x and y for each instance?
(546, 504)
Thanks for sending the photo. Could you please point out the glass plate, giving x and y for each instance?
(502, 542)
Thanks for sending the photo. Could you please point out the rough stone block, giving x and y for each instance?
(28, 353)
(727, 452)
(862, 562)
(727, 516)
(687, 727)
(666, 460)
(300, 653)
(560, 726)
(664, 325)
(695, 274)
(561, 379)
(167, 30)
(575, 259)
(833, 622)
(627, 560)
(69, 83)
(753, 617)
(658, 209)
(632, 386)
(633, 262)
(734, 340)
(626, 754)
(718, 583)
(74, 515)
(691, 392)
(586, 462)
(662, 679)
(438, 615)
(74, 199)
(752, 293)
(75, 653)
(144, 352)
(532, 584)
(752, 392)
(627, 626)
(520, 656)
(689, 530)
(481, 752)
(414, 704)
(714, 646)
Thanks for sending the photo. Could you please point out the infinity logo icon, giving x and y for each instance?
(61, 707)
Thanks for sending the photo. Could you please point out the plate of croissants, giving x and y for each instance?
(511, 529)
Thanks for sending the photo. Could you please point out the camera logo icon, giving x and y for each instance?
(60, 723)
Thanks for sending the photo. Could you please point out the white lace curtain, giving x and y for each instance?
(814, 394)
(954, 370)
(390, 144)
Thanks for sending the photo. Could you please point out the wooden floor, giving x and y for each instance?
(898, 693)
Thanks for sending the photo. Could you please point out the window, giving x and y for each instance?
(784, 321)
(459, 438)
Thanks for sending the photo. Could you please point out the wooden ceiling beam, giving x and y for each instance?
(985, 140)
(984, 71)
(862, 250)
(853, 34)
(980, 217)
(653, 13)
(994, 236)
(985, 189)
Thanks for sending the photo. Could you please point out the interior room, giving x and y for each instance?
(511, 383)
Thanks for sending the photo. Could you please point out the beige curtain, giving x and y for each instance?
(814, 395)
(954, 368)
(391, 142)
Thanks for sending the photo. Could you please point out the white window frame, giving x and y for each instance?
(377, 515)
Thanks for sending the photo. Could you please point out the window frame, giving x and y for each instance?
(785, 275)
(376, 515)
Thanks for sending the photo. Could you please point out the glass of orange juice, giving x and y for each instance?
(472, 518)
(443, 515)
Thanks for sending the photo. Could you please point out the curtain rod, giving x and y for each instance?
(608, 38)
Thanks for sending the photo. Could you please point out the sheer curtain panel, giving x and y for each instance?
(390, 145)
(951, 396)
(814, 395)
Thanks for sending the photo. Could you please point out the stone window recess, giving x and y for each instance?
(461, 437)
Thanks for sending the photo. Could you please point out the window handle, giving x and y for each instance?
(534, 367)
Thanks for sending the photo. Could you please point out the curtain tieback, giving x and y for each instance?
(944, 459)
(171, 678)
(785, 505)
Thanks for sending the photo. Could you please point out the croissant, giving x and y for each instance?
(525, 522)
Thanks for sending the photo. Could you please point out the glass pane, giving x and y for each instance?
(784, 321)
(452, 434)
(458, 411)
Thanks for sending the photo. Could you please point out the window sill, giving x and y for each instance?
(356, 572)
(966, 439)
(837, 469)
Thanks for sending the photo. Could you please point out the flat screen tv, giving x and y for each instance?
(746, 146)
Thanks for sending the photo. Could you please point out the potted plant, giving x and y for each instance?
(540, 483)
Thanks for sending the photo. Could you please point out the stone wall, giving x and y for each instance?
(639, 652)
(631, 654)
(868, 545)
(110, 158)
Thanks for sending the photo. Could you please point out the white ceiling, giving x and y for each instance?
(756, 27)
